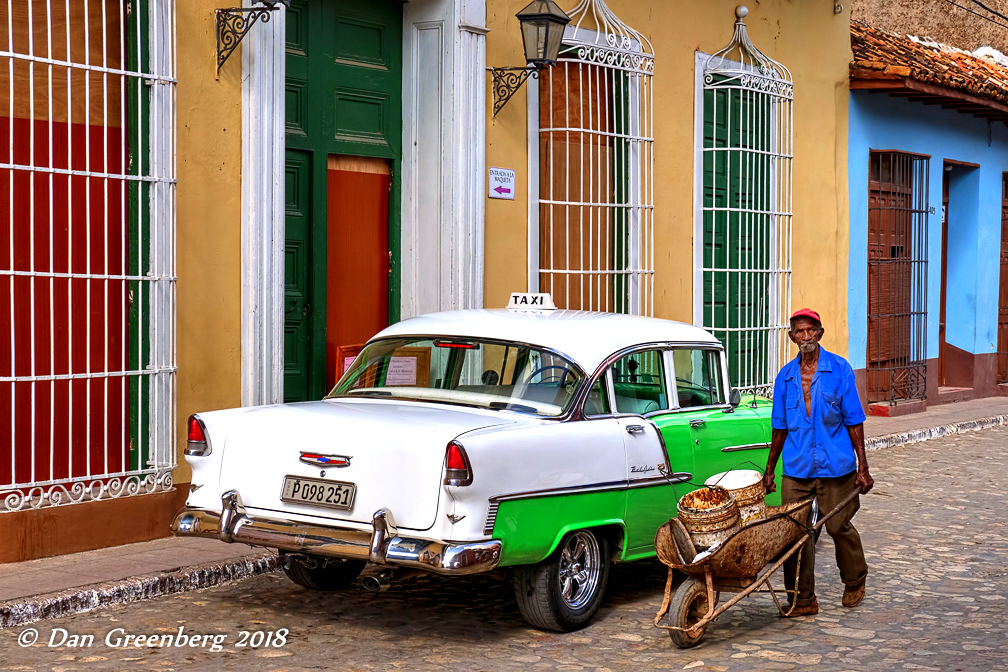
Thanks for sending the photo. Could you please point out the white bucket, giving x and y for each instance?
(746, 486)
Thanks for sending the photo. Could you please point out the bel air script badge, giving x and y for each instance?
(325, 460)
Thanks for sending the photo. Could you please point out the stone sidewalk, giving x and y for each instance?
(58, 586)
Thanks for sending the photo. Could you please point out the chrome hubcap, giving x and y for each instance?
(579, 569)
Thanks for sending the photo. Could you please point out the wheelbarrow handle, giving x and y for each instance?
(836, 509)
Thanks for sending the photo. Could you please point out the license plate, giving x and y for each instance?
(318, 492)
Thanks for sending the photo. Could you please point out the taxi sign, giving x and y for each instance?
(530, 301)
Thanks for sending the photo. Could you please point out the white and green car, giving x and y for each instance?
(552, 442)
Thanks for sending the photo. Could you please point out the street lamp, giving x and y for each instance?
(542, 26)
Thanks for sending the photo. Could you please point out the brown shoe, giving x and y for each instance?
(852, 595)
(810, 609)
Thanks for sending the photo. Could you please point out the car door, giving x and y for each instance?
(640, 392)
(722, 437)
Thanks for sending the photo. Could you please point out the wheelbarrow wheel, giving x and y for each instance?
(689, 606)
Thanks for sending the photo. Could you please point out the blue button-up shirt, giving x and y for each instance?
(817, 446)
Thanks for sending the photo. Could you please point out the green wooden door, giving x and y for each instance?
(297, 276)
(343, 95)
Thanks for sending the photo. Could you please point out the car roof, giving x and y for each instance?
(587, 338)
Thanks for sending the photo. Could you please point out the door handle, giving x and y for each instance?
(697, 422)
(635, 429)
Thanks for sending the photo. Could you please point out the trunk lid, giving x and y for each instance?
(396, 451)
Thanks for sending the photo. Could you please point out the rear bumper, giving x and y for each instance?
(381, 545)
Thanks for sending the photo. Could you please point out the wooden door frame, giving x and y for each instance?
(946, 172)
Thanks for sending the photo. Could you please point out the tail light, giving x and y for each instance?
(197, 444)
(457, 469)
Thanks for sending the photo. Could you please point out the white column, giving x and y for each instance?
(444, 98)
(262, 222)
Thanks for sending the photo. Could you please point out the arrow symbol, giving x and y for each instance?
(502, 190)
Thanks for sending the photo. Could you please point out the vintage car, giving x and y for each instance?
(550, 442)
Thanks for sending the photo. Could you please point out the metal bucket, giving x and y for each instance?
(710, 515)
(746, 486)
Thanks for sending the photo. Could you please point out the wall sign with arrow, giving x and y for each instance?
(502, 183)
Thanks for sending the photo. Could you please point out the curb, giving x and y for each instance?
(918, 435)
(184, 579)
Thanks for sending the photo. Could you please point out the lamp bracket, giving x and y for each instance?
(233, 23)
(507, 81)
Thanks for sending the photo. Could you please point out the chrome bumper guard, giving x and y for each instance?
(383, 545)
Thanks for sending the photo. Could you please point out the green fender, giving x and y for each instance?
(531, 529)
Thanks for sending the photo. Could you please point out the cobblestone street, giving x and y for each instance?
(934, 531)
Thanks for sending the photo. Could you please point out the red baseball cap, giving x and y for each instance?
(806, 312)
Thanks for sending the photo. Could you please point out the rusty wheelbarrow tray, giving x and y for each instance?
(733, 567)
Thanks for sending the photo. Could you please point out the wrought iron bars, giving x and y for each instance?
(596, 151)
(743, 288)
(87, 275)
(897, 276)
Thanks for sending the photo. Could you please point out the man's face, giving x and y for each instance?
(806, 332)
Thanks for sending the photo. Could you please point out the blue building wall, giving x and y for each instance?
(878, 121)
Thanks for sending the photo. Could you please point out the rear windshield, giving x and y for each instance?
(486, 374)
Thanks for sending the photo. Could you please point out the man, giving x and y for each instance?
(818, 425)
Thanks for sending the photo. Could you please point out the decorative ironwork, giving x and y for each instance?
(74, 492)
(897, 276)
(743, 279)
(611, 42)
(89, 409)
(742, 64)
(233, 23)
(596, 155)
(507, 81)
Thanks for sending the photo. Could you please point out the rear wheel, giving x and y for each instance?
(564, 591)
(318, 572)
(689, 605)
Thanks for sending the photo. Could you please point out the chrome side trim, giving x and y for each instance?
(661, 440)
(747, 446)
(548, 492)
(380, 545)
(491, 518)
(678, 477)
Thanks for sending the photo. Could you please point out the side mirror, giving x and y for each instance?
(734, 398)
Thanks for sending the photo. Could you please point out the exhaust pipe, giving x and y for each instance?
(380, 582)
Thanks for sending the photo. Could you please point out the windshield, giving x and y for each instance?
(485, 374)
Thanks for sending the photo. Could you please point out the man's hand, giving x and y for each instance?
(865, 480)
(768, 481)
(777, 437)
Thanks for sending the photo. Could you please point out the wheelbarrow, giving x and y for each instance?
(735, 566)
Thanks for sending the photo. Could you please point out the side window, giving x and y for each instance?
(698, 377)
(597, 402)
(639, 383)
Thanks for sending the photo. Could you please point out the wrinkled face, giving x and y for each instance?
(806, 332)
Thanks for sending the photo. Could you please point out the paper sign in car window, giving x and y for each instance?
(402, 371)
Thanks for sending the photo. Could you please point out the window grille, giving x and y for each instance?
(596, 152)
(743, 293)
(87, 274)
(897, 276)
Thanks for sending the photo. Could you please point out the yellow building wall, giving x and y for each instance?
(805, 36)
(208, 221)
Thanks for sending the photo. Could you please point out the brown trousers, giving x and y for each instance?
(849, 554)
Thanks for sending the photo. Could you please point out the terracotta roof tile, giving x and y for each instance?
(926, 61)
